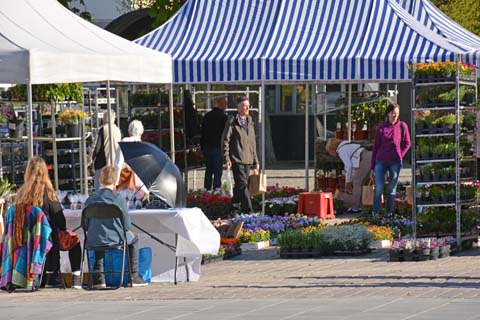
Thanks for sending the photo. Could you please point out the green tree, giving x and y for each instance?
(464, 12)
(84, 14)
(162, 10)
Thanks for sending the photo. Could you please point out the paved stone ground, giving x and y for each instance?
(261, 285)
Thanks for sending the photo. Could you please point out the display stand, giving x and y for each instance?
(443, 147)
(81, 163)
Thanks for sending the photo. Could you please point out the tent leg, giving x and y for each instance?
(261, 118)
(306, 139)
(30, 120)
(172, 129)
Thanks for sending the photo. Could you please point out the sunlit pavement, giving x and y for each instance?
(262, 286)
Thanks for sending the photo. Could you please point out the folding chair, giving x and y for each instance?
(105, 212)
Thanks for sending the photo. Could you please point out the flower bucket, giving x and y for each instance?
(73, 130)
(16, 129)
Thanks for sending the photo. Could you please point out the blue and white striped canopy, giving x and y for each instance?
(434, 19)
(298, 41)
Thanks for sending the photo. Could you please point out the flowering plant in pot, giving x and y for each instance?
(14, 119)
(71, 116)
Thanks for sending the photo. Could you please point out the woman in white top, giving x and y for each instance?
(356, 160)
(135, 130)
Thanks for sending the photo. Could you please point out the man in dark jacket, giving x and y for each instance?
(107, 232)
(211, 143)
(240, 153)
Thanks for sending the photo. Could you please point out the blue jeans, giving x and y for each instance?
(214, 167)
(381, 169)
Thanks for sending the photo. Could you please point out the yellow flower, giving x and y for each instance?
(72, 116)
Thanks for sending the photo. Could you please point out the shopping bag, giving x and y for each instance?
(257, 183)
(368, 194)
(227, 185)
(113, 262)
(408, 190)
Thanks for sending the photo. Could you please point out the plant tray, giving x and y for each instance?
(351, 252)
(211, 259)
(300, 254)
(381, 244)
(400, 255)
(255, 245)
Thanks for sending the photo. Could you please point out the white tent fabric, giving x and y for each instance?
(43, 42)
(311, 40)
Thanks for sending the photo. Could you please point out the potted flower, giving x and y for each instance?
(15, 121)
(72, 119)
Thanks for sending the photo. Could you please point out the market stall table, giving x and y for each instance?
(188, 230)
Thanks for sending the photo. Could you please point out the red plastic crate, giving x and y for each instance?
(318, 204)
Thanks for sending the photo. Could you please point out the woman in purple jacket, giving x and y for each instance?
(392, 142)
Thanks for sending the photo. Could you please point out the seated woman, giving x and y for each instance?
(356, 160)
(127, 179)
(38, 191)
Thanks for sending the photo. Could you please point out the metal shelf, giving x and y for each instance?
(448, 204)
(426, 183)
(458, 108)
(434, 160)
(431, 135)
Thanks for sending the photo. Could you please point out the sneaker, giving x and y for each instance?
(54, 280)
(99, 282)
(138, 281)
(76, 282)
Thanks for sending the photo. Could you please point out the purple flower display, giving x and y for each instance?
(8, 112)
(276, 224)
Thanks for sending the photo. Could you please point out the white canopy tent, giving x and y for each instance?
(43, 42)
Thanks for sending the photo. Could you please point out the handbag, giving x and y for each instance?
(67, 239)
(257, 183)
(368, 194)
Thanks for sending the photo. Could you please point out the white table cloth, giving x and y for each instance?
(196, 236)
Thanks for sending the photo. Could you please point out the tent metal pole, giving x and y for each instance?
(261, 118)
(110, 127)
(324, 100)
(306, 139)
(209, 96)
(349, 127)
(30, 120)
(172, 129)
(83, 142)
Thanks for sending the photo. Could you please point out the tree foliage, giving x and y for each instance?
(464, 12)
(84, 14)
(162, 10)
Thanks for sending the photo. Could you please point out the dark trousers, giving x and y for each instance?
(52, 263)
(132, 251)
(240, 190)
(214, 167)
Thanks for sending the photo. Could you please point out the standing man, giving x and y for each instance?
(211, 143)
(240, 152)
